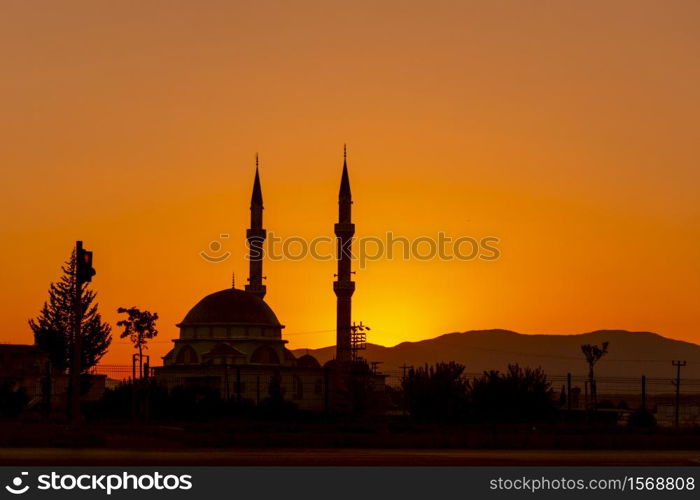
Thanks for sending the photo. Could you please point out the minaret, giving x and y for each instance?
(343, 286)
(256, 236)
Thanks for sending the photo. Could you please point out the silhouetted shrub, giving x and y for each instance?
(436, 392)
(519, 395)
(274, 405)
(115, 403)
(641, 418)
(149, 400)
(192, 403)
(442, 392)
(12, 399)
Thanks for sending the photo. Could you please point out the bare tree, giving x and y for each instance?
(139, 327)
(593, 353)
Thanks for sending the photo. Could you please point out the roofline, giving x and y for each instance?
(180, 325)
(236, 339)
(254, 366)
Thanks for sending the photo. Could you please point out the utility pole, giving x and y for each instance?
(77, 320)
(568, 391)
(677, 383)
(358, 339)
(644, 392)
(404, 367)
(83, 273)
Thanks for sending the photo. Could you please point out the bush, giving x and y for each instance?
(518, 395)
(641, 418)
(12, 399)
(442, 392)
(436, 392)
(183, 403)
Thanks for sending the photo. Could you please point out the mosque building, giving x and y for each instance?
(231, 340)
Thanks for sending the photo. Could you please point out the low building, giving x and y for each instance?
(23, 367)
(26, 367)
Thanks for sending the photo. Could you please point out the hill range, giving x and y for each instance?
(630, 354)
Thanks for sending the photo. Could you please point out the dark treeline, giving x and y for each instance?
(442, 391)
(432, 393)
(147, 400)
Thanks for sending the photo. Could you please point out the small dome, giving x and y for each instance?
(308, 361)
(231, 307)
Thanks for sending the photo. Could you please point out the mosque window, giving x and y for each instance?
(265, 355)
(186, 356)
(297, 388)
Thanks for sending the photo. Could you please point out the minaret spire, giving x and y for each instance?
(343, 286)
(345, 178)
(256, 199)
(256, 237)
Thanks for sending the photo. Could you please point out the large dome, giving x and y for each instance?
(231, 306)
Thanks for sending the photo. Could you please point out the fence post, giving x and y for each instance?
(226, 383)
(46, 389)
(238, 384)
(257, 390)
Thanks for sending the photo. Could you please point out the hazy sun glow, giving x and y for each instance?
(567, 130)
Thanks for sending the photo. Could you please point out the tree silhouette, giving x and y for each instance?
(519, 394)
(139, 327)
(443, 392)
(274, 405)
(593, 353)
(563, 398)
(53, 327)
(435, 392)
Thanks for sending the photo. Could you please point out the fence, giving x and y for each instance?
(619, 393)
(611, 390)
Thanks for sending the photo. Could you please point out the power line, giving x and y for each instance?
(487, 349)
(576, 358)
(677, 383)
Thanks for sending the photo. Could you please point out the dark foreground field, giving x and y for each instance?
(344, 457)
(241, 442)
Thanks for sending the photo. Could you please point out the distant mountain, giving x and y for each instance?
(631, 354)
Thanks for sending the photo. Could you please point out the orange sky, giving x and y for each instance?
(569, 130)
